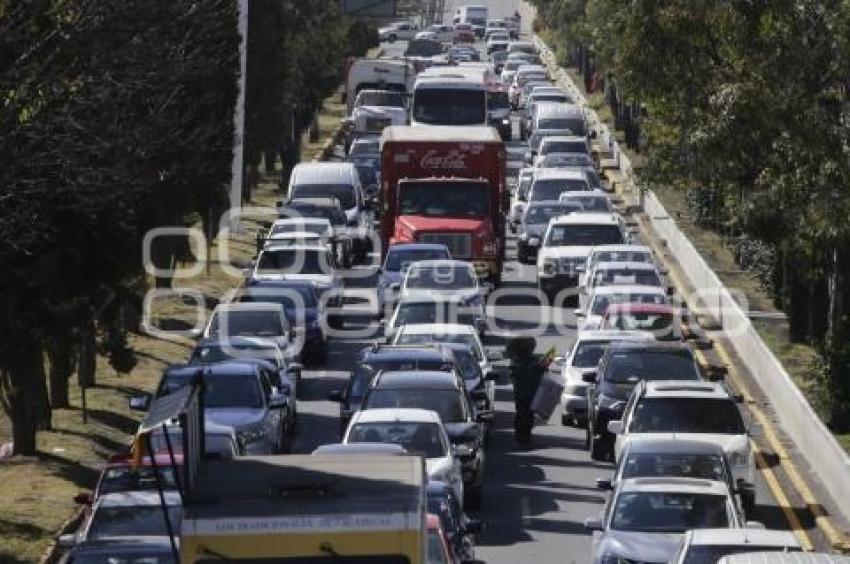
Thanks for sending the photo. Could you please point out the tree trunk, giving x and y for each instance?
(23, 394)
(88, 357)
(60, 352)
(44, 412)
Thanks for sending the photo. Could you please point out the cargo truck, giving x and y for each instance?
(446, 184)
(322, 509)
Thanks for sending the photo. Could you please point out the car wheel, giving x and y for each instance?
(473, 495)
(566, 420)
(748, 503)
(597, 449)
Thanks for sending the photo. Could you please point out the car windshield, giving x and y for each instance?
(222, 391)
(563, 147)
(362, 148)
(118, 479)
(444, 199)
(712, 553)
(450, 106)
(499, 101)
(307, 210)
(671, 464)
(602, 301)
(420, 439)
(669, 512)
(345, 193)
(423, 48)
(584, 235)
(320, 228)
(573, 125)
(467, 365)
(565, 160)
(687, 415)
(247, 324)
(441, 277)
(631, 321)
(294, 261)
(383, 98)
(537, 214)
(426, 338)
(552, 189)
(611, 276)
(290, 297)
(557, 98)
(132, 521)
(632, 366)
(588, 353)
(400, 259)
(590, 203)
(447, 403)
(410, 313)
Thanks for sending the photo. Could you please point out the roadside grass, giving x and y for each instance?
(799, 359)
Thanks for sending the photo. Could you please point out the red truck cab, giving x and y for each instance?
(446, 184)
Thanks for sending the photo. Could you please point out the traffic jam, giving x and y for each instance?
(465, 179)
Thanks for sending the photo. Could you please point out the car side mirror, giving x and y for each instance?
(278, 401)
(140, 403)
(335, 396)
(491, 376)
(616, 427)
(593, 524)
(461, 451)
(589, 377)
(603, 484)
(84, 498)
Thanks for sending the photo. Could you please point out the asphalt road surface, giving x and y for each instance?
(535, 500)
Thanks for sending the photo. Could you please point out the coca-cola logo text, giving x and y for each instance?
(452, 160)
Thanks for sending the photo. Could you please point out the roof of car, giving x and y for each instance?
(416, 379)
(397, 414)
(111, 547)
(685, 389)
(587, 219)
(558, 174)
(300, 220)
(563, 139)
(672, 446)
(389, 352)
(641, 308)
(443, 263)
(360, 448)
(314, 202)
(437, 329)
(417, 247)
(223, 368)
(138, 498)
(629, 289)
(743, 537)
(609, 335)
(248, 306)
(548, 109)
(238, 342)
(275, 246)
(441, 133)
(624, 265)
(635, 345)
(620, 248)
(674, 485)
(322, 172)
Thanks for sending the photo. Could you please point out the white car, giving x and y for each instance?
(646, 517)
(445, 279)
(567, 243)
(707, 546)
(699, 411)
(398, 260)
(422, 308)
(590, 315)
(561, 144)
(438, 32)
(398, 30)
(315, 264)
(592, 201)
(617, 253)
(550, 183)
(495, 26)
(519, 198)
(427, 333)
(498, 41)
(584, 358)
(620, 274)
(418, 431)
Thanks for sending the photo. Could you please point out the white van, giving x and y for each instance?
(379, 74)
(476, 16)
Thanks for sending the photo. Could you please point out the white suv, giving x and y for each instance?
(568, 241)
(700, 411)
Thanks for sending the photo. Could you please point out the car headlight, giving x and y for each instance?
(534, 241)
(550, 267)
(612, 404)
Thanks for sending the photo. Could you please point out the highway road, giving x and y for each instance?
(535, 500)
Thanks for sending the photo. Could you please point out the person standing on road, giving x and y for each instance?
(526, 373)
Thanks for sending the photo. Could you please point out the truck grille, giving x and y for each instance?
(568, 265)
(459, 244)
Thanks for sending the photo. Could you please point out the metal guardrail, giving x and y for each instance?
(827, 460)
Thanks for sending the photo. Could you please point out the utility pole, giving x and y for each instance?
(237, 169)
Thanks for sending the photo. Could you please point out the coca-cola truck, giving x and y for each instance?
(446, 184)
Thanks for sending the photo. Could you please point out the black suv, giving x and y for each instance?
(376, 358)
(622, 366)
(444, 393)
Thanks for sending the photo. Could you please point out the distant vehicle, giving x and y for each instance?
(424, 308)
(710, 546)
(533, 223)
(398, 30)
(663, 321)
(361, 448)
(522, 47)
(266, 320)
(549, 183)
(399, 257)
(495, 26)
(397, 75)
(589, 315)
(426, 333)
(618, 253)
(420, 432)
(499, 58)
(458, 527)
(701, 411)
(560, 144)
(438, 32)
(476, 16)
(150, 550)
(497, 41)
(305, 230)
(591, 201)
(464, 33)
(447, 279)
(645, 517)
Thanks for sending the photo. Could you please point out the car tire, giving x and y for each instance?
(473, 496)
(597, 449)
(566, 420)
(587, 435)
(748, 504)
